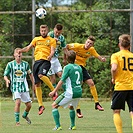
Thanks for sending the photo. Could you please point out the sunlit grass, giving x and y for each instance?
(93, 121)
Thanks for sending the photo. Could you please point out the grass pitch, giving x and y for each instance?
(93, 121)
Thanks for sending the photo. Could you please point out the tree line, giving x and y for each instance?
(79, 20)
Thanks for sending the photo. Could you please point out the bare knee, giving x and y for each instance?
(71, 108)
(40, 75)
(116, 111)
(54, 105)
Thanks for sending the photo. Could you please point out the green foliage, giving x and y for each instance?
(79, 23)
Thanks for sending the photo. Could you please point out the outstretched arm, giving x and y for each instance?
(51, 54)
(102, 59)
(56, 89)
(26, 49)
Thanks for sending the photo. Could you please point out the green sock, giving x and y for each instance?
(16, 116)
(56, 116)
(72, 117)
(25, 114)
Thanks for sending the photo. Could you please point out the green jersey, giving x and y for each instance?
(18, 74)
(61, 43)
(72, 76)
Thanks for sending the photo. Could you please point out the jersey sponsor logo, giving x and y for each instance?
(44, 71)
(46, 43)
(83, 56)
(18, 73)
(18, 80)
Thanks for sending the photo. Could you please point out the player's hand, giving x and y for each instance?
(49, 58)
(103, 59)
(51, 94)
(7, 83)
(113, 81)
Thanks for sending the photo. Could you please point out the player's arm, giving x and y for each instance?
(32, 80)
(26, 49)
(113, 71)
(59, 85)
(96, 55)
(7, 81)
(6, 74)
(51, 53)
(102, 59)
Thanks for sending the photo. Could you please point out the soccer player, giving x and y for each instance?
(15, 76)
(83, 52)
(56, 68)
(72, 75)
(44, 50)
(122, 78)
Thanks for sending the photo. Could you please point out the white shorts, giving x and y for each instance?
(65, 102)
(55, 66)
(24, 96)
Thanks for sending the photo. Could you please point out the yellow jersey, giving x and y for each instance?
(124, 74)
(82, 54)
(43, 47)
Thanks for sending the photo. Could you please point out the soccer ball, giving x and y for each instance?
(41, 13)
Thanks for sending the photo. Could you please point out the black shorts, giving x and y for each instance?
(120, 98)
(86, 75)
(40, 67)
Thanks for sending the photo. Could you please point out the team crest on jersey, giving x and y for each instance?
(44, 71)
(18, 73)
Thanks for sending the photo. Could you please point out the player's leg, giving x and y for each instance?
(117, 121)
(56, 69)
(87, 79)
(42, 74)
(78, 110)
(38, 89)
(60, 101)
(94, 94)
(131, 114)
(25, 97)
(72, 118)
(17, 98)
(130, 105)
(118, 103)
(56, 116)
(52, 77)
(17, 111)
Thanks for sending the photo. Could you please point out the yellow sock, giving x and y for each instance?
(132, 121)
(46, 80)
(118, 122)
(39, 95)
(78, 106)
(94, 93)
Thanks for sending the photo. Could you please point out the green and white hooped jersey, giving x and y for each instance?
(73, 77)
(61, 43)
(18, 73)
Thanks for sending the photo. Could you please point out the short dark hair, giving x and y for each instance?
(71, 56)
(43, 26)
(59, 26)
(92, 38)
(124, 40)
